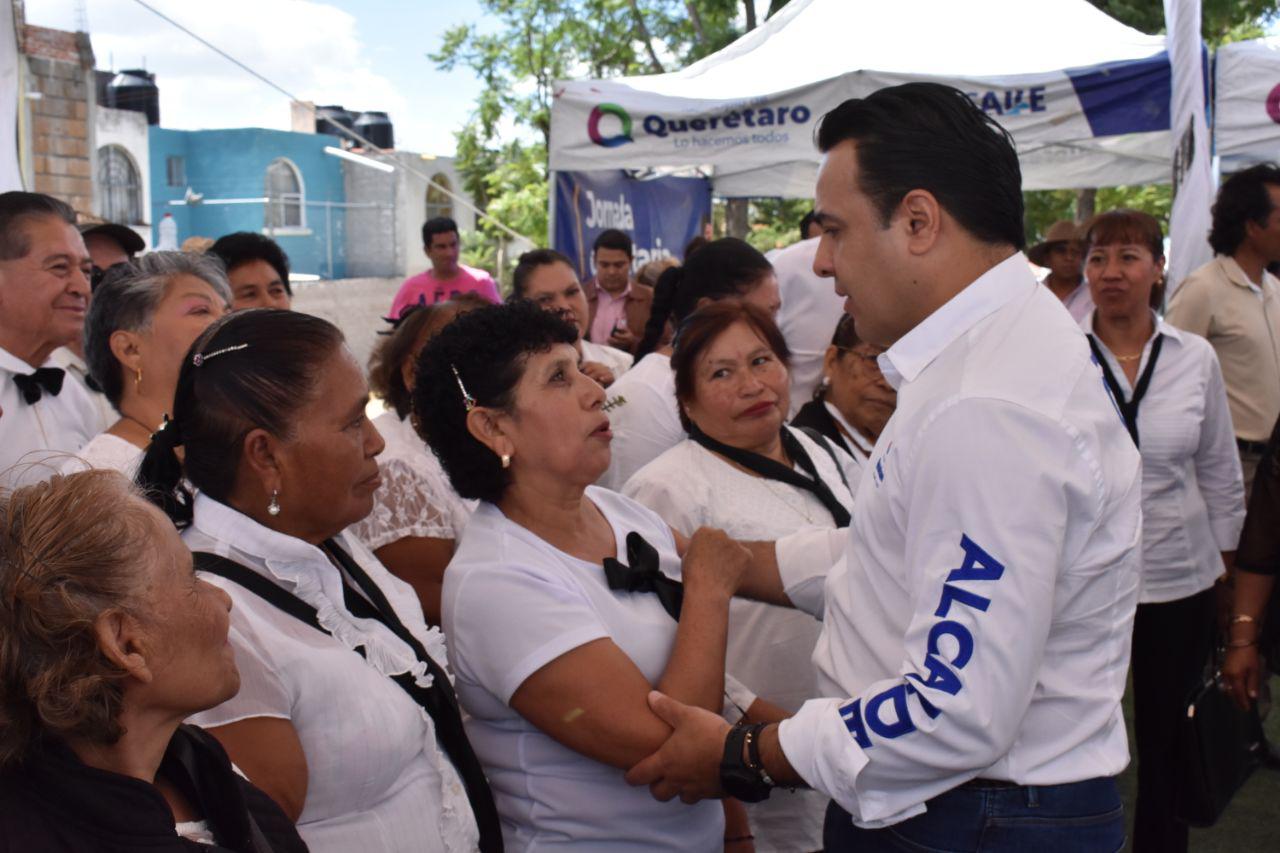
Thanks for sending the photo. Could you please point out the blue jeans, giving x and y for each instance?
(1081, 816)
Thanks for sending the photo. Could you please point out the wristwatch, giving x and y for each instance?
(742, 778)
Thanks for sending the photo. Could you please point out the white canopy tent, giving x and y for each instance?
(1247, 103)
(1085, 97)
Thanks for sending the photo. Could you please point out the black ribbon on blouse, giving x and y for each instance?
(641, 573)
(1129, 409)
(774, 470)
(438, 700)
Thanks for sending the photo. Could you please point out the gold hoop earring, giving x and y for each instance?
(137, 379)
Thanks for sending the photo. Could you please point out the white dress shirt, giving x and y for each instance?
(106, 451)
(35, 438)
(769, 648)
(1192, 489)
(1079, 302)
(77, 369)
(513, 603)
(644, 417)
(377, 779)
(616, 360)
(415, 499)
(862, 445)
(980, 615)
(810, 312)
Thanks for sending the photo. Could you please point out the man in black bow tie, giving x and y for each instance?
(44, 293)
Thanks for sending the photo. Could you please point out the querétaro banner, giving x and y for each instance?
(660, 215)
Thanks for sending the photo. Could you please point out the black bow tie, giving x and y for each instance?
(643, 575)
(33, 385)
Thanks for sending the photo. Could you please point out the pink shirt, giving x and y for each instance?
(425, 287)
(610, 313)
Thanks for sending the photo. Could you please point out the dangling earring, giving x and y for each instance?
(273, 508)
(137, 379)
(825, 383)
(506, 460)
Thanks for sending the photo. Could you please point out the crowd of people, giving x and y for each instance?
(851, 546)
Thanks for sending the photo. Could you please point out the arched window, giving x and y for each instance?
(285, 196)
(439, 204)
(119, 189)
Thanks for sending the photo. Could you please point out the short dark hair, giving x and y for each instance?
(1242, 198)
(127, 299)
(805, 221)
(488, 349)
(612, 239)
(701, 330)
(722, 268)
(262, 385)
(16, 209)
(531, 261)
(245, 246)
(437, 225)
(386, 378)
(932, 137)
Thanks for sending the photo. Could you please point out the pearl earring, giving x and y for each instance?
(506, 460)
(273, 508)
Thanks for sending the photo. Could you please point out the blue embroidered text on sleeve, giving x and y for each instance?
(978, 565)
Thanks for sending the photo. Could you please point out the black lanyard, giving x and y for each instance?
(773, 470)
(438, 700)
(1128, 410)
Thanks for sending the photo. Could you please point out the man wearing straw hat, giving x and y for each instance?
(1062, 251)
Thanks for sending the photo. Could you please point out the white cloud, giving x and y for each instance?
(310, 49)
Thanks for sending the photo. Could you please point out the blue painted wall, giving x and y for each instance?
(230, 164)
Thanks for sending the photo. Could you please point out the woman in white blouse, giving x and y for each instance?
(744, 471)
(558, 610)
(345, 715)
(141, 321)
(1168, 388)
(642, 403)
(417, 516)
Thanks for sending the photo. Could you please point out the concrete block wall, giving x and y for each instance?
(354, 305)
(59, 65)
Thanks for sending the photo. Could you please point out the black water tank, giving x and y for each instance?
(136, 90)
(337, 113)
(376, 127)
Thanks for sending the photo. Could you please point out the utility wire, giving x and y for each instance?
(344, 130)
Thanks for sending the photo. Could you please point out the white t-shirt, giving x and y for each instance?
(415, 499)
(644, 418)
(810, 311)
(769, 648)
(611, 357)
(377, 779)
(978, 618)
(513, 603)
(106, 451)
(36, 438)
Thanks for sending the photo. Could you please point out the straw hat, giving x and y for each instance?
(1062, 231)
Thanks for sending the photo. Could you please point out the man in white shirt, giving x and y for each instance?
(44, 293)
(808, 317)
(978, 615)
(1062, 253)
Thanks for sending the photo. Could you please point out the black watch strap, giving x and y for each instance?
(737, 778)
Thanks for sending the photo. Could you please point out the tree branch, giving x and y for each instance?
(750, 6)
(696, 18)
(646, 38)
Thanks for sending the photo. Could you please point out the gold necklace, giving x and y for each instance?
(1125, 358)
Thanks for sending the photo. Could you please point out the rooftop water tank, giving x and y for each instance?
(135, 89)
(336, 113)
(376, 127)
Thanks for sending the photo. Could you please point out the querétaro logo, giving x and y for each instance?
(593, 125)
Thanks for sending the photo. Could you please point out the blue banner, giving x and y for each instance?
(660, 215)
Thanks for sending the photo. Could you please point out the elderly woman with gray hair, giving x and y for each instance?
(141, 323)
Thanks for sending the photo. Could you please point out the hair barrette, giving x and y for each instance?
(468, 402)
(201, 357)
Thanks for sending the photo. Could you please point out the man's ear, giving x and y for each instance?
(920, 218)
(487, 427)
(261, 454)
(121, 640)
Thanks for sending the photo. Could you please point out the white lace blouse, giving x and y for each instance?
(378, 781)
(769, 648)
(106, 451)
(415, 499)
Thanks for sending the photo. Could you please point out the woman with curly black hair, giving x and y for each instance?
(557, 605)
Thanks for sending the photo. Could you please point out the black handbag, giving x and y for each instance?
(1219, 746)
